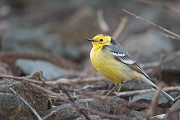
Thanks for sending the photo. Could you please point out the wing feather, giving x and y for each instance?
(123, 56)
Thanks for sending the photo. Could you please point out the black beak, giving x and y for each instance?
(90, 39)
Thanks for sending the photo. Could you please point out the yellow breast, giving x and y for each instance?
(109, 67)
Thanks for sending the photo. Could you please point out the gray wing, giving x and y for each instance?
(123, 56)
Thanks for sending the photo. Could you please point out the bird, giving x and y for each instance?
(113, 62)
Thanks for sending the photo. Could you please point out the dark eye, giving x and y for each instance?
(101, 40)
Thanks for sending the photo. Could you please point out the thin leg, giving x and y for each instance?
(120, 85)
(115, 86)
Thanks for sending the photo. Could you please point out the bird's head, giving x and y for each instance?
(100, 40)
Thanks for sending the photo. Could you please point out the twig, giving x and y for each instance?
(150, 65)
(153, 103)
(76, 80)
(107, 115)
(135, 92)
(63, 99)
(64, 81)
(161, 28)
(102, 23)
(169, 36)
(58, 96)
(120, 28)
(73, 104)
(4, 11)
(37, 115)
(47, 117)
(72, 100)
(108, 100)
(160, 5)
(104, 99)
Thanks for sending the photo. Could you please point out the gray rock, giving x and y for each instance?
(4, 68)
(36, 98)
(92, 117)
(147, 98)
(77, 27)
(68, 112)
(174, 111)
(50, 71)
(170, 69)
(32, 41)
(12, 108)
(72, 52)
(136, 25)
(134, 85)
(148, 46)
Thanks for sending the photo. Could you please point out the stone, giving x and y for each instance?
(4, 68)
(174, 111)
(147, 98)
(13, 108)
(134, 85)
(69, 112)
(77, 27)
(170, 69)
(146, 47)
(50, 71)
(33, 41)
(35, 97)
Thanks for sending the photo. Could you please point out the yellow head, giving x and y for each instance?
(100, 40)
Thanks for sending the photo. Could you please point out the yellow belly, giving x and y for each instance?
(112, 69)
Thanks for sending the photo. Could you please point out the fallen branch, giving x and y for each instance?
(35, 113)
(120, 28)
(64, 81)
(135, 92)
(21, 79)
(104, 99)
(161, 5)
(150, 65)
(161, 28)
(153, 103)
(75, 80)
(102, 23)
(47, 117)
(72, 100)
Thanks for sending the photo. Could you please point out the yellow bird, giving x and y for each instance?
(111, 60)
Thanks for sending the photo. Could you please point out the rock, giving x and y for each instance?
(147, 98)
(134, 85)
(68, 112)
(158, 117)
(174, 111)
(19, 5)
(12, 108)
(170, 69)
(4, 68)
(50, 71)
(72, 52)
(148, 46)
(36, 98)
(75, 29)
(92, 117)
(32, 41)
(136, 25)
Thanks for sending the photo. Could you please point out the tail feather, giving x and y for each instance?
(147, 81)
